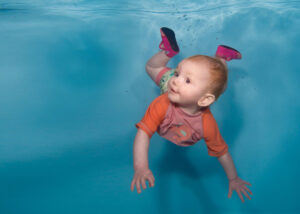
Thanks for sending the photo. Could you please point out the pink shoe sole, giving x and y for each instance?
(228, 53)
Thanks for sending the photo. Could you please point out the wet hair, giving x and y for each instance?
(218, 71)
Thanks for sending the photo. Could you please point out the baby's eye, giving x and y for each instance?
(176, 74)
(188, 81)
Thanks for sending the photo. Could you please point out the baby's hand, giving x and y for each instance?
(239, 186)
(140, 176)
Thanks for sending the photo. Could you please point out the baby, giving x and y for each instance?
(181, 114)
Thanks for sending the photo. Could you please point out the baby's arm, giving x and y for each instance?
(227, 163)
(140, 158)
(235, 183)
(218, 148)
(146, 128)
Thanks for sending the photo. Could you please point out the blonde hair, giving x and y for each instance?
(218, 71)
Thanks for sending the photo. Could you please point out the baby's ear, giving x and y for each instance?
(206, 100)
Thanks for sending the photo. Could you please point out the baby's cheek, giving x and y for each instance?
(193, 94)
(169, 83)
(189, 90)
(201, 89)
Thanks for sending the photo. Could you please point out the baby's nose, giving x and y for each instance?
(174, 81)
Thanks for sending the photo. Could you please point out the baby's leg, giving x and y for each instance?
(157, 63)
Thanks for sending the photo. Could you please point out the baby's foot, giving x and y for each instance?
(228, 53)
(168, 43)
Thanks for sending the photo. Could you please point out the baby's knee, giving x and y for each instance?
(148, 68)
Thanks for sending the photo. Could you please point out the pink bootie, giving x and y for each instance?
(168, 42)
(227, 53)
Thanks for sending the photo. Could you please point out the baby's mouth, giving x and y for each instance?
(173, 91)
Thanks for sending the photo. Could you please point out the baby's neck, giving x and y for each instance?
(191, 110)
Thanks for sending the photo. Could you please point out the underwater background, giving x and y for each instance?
(73, 85)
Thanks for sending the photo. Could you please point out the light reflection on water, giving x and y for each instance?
(89, 10)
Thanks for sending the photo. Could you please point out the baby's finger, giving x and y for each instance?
(138, 187)
(240, 195)
(245, 182)
(151, 181)
(246, 194)
(153, 178)
(143, 183)
(230, 193)
(246, 188)
(132, 185)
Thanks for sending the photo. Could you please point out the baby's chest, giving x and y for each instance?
(180, 129)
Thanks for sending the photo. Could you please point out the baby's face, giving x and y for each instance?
(189, 83)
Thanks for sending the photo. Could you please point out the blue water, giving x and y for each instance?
(73, 84)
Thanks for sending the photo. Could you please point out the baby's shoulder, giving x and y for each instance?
(159, 105)
(162, 101)
(207, 116)
(207, 112)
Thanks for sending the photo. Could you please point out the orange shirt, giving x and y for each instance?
(181, 128)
